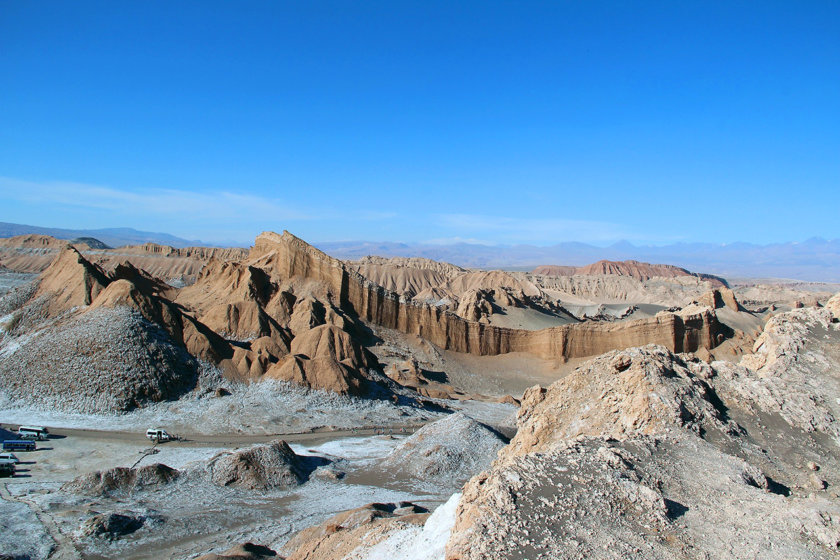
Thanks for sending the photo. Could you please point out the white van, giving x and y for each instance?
(9, 458)
(158, 435)
(33, 432)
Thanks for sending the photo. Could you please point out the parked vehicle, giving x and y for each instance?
(9, 457)
(7, 468)
(18, 445)
(33, 432)
(158, 435)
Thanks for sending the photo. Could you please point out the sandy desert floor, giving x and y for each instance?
(193, 516)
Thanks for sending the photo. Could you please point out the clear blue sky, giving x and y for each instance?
(503, 122)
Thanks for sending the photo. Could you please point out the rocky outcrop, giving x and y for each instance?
(720, 297)
(792, 370)
(475, 305)
(34, 253)
(338, 537)
(634, 269)
(326, 358)
(635, 455)
(310, 313)
(409, 374)
(637, 499)
(833, 305)
(638, 391)
(260, 467)
(245, 551)
(122, 480)
(184, 330)
(452, 450)
(102, 360)
(144, 281)
(71, 281)
(114, 525)
(227, 282)
(285, 256)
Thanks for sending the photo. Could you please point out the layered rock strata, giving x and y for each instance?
(286, 256)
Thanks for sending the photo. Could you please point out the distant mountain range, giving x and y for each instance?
(816, 259)
(114, 237)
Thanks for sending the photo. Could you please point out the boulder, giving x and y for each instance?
(452, 449)
(122, 479)
(261, 467)
(114, 525)
(245, 551)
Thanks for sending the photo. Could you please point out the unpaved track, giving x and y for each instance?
(97, 439)
(223, 440)
(64, 547)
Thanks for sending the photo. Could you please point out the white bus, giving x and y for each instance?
(33, 432)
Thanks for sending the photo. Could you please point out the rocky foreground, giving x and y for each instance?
(644, 453)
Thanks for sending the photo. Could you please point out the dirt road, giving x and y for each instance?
(223, 440)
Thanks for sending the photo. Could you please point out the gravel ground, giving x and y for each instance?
(192, 516)
(11, 280)
(267, 407)
(21, 534)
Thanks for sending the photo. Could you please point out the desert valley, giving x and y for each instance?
(419, 280)
(315, 408)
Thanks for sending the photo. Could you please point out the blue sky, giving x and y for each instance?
(499, 122)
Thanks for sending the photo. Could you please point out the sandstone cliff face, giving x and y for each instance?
(286, 256)
(289, 312)
(328, 358)
(198, 253)
(71, 281)
(634, 269)
(34, 253)
(720, 297)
